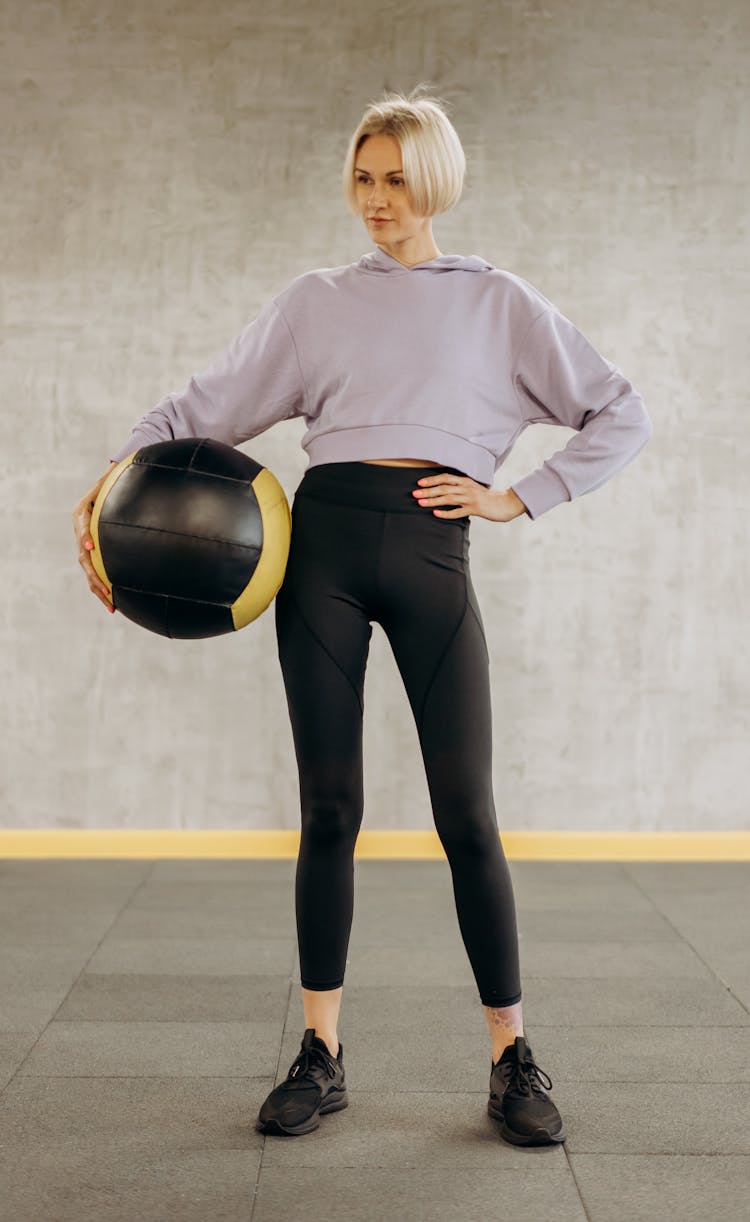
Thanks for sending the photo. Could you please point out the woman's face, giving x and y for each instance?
(382, 191)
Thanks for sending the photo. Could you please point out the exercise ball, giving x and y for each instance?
(191, 536)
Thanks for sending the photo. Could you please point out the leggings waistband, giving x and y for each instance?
(370, 486)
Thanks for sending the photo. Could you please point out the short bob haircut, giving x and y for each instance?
(432, 158)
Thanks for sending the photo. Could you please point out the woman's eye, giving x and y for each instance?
(393, 180)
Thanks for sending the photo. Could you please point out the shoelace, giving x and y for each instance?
(305, 1060)
(525, 1077)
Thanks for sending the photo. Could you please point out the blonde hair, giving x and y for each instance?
(433, 160)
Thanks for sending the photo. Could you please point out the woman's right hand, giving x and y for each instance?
(81, 524)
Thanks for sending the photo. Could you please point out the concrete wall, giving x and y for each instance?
(167, 168)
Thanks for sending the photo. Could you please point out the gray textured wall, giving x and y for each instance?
(169, 166)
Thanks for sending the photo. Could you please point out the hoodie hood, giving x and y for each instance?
(379, 261)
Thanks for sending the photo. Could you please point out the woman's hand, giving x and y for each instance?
(470, 496)
(81, 521)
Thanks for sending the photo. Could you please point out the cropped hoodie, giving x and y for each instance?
(449, 360)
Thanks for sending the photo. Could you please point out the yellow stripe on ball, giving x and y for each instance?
(277, 533)
(112, 478)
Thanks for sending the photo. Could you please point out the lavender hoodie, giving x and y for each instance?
(448, 360)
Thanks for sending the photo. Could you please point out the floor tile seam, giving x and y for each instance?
(135, 887)
(408, 990)
(592, 1153)
(665, 1154)
(370, 1090)
(247, 1022)
(646, 980)
(706, 1024)
(459, 1166)
(544, 1152)
(571, 1170)
(559, 1081)
(637, 884)
(156, 1077)
(576, 1027)
(556, 1169)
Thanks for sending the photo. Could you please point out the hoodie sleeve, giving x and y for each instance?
(560, 378)
(255, 381)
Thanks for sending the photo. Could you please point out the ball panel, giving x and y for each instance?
(185, 503)
(277, 532)
(148, 610)
(178, 618)
(201, 454)
(193, 621)
(160, 562)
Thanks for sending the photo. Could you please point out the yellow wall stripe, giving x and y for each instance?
(398, 845)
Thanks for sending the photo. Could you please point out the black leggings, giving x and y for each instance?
(363, 549)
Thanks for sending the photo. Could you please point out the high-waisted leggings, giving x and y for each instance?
(363, 550)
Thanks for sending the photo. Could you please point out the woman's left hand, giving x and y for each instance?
(470, 497)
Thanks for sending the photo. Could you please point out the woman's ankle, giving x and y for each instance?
(331, 1042)
(321, 1010)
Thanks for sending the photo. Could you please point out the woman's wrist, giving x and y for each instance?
(515, 501)
(504, 506)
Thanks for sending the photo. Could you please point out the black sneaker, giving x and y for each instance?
(528, 1115)
(313, 1086)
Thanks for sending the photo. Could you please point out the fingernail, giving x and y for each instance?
(88, 545)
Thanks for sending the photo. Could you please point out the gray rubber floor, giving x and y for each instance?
(147, 1008)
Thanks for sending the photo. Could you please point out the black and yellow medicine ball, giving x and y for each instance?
(191, 536)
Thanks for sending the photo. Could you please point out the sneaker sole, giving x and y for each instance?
(334, 1102)
(540, 1137)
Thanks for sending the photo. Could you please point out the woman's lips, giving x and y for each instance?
(380, 220)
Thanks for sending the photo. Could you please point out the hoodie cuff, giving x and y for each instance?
(541, 490)
(136, 441)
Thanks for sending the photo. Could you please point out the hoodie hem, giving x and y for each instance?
(403, 441)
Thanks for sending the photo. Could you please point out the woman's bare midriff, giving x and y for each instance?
(402, 462)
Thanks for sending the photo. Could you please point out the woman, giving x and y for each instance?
(406, 359)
